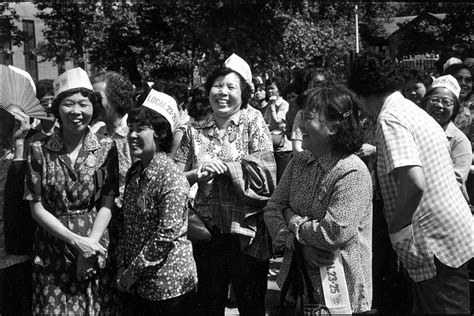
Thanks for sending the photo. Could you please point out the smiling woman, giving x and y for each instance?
(230, 157)
(156, 270)
(71, 182)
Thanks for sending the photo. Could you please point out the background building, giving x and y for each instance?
(24, 56)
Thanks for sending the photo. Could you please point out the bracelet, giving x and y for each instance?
(19, 159)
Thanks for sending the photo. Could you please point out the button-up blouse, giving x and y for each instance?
(153, 242)
(332, 199)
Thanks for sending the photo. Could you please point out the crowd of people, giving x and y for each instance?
(370, 180)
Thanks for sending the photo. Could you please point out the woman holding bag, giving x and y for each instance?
(71, 183)
(230, 157)
(324, 199)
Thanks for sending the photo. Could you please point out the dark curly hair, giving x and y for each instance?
(224, 71)
(119, 91)
(160, 125)
(341, 107)
(199, 105)
(93, 96)
(456, 107)
(372, 74)
(417, 75)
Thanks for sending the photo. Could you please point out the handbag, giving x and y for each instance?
(306, 305)
(197, 230)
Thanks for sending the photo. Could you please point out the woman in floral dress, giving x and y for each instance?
(71, 183)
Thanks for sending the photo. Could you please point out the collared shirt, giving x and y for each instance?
(281, 108)
(153, 244)
(123, 150)
(6, 158)
(332, 199)
(245, 135)
(442, 224)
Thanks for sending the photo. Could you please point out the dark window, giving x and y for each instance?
(31, 63)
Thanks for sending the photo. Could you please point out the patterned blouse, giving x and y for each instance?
(153, 243)
(332, 199)
(245, 135)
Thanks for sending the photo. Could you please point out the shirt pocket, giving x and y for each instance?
(407, 249)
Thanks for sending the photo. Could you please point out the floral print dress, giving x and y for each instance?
(72, 194)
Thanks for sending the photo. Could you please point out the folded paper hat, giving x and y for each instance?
(240, 66)
(25, 74)
(448, 82)
(451, 61)
(165, 105)
(71, 79)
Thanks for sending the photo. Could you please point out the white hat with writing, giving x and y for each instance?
(237, 64)
(71, 79)
(165, 105)
(448, 82)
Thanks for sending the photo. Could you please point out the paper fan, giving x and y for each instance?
(16, 89)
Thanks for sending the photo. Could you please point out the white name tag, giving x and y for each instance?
(335, 287)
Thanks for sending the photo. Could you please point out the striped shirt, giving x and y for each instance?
(442, 224)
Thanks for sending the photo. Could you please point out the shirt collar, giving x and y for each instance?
(327, 161)
(211, 122)
(393, 99)
(279, 101)
(56, 142)
(150, 169)
(450, 130)
(122, 129)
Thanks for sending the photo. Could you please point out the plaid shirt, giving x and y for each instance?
(442, 224)
(219, 202)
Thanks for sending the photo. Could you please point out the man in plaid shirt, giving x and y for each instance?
(429, 221)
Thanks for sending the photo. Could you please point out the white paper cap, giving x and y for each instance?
(240, 66)
(24, 73)
(71, 79)
(165, 105)
(451, 61)
(448, 82)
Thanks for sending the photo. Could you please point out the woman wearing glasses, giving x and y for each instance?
(442, 103)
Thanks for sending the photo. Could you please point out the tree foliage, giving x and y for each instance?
(8, 18)
(175, 40)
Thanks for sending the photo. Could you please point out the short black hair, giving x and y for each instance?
(160, 125)
(224, 71)
(374, 74)
(199, 105)
(93, 96)
(341, 107)
(456, 107)
(417, 75)
(454, 68)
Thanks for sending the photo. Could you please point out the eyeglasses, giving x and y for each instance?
(436, 100)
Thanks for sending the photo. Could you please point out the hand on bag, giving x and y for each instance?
(317, 257)
(85, 268)
(210, 169)
(125, 281)
(89, 247)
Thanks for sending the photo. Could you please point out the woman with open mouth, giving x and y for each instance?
(71, 183)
